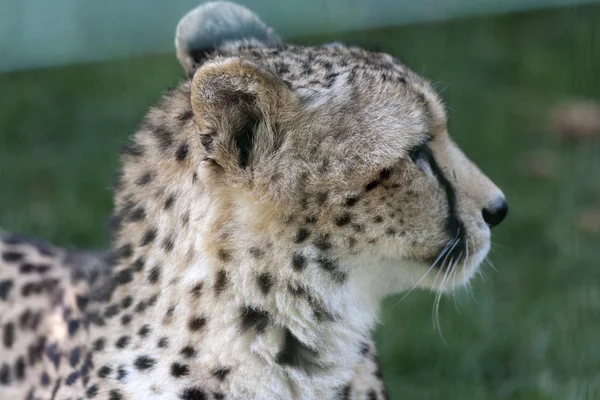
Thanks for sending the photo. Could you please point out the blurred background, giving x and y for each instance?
(522, 82)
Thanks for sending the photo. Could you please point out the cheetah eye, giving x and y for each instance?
(417, 153)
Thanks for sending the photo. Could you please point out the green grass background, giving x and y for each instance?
(530, 330)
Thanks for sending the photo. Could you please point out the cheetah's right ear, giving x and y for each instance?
(236, 106)
(212, 24)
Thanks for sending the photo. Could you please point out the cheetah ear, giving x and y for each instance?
(212, 24)
(236, 106)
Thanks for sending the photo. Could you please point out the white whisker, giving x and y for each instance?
(447, 277)
(425, 274)
(491, 264)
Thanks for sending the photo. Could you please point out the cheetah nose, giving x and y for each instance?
(495, 212)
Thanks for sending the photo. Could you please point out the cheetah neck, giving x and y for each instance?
(251, 316)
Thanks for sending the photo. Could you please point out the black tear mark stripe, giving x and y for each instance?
(454, 226)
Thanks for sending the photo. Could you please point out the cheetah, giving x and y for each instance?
(263, 210)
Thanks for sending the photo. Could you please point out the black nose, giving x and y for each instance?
(495, 212)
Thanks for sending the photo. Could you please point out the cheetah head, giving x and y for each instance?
(330, 154)
(361, 164)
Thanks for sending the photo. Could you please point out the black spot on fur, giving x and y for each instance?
(224, 255)
(151, 300)
(182, 152)
(12, 256)
(92, 391)
(137, 214)
(74, 357)
(345, 392)
(302, 235)
(148, 237)
(140, 307)
(20, 368)
(311, 219)
(193, 393)
(322, 242)
(81, 302)
(154, 274)
(196, 323)
(281, 67)
(185, 115)
(125, 319)
(343, 219)
(178, 370)
(99, 344)
(44, 379)
(138, 265)
(252, 317)
(255, 252)
(104, 371)
(115, 395)
(188, 352)
(72, 378)
(144, 362)
(299, 262)
(121, 373)
(168, 244)
(196, 290)
(351, 201)
(126, 302)
(8, 336)
(265, 282)
(169, 202)
(144, 179)
(73, 327)
(169, 314)
(297, 290)
(5, 287)
(162, 343)
(331, 266)
(385, 174)
(111, 311)
(164, 137)
(220, 373)
(5, 374)
(372, 185)
(220, 281)
(124, 276)
(123, 252)
(122, 342)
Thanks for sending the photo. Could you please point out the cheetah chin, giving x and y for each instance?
(264, 209)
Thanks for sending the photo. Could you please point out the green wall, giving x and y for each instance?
(36, 33)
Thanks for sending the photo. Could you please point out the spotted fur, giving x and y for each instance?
(263, 210)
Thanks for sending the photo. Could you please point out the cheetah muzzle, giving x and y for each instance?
(263, 210)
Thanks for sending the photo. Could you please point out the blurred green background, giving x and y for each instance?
(528, 329)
